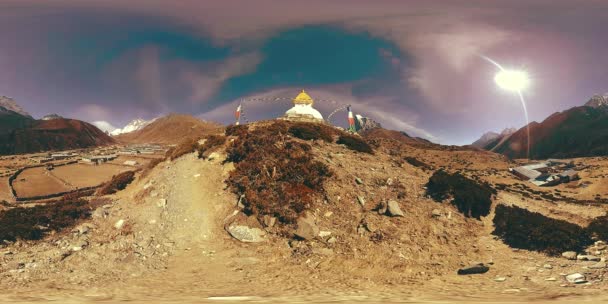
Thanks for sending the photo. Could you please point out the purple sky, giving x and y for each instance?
(411, 65)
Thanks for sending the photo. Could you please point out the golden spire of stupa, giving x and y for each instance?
(303, 98)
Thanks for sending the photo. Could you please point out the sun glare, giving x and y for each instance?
(512, 80)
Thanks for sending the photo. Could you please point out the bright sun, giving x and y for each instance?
(512, 80)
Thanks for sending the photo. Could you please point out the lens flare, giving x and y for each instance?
(512, 80)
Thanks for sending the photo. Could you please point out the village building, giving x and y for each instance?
(303, 110)
(98, 159)
(546, 174)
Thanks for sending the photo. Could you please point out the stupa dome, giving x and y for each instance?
(302, 109)
(303, 98)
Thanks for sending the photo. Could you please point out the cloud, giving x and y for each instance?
(104, 126)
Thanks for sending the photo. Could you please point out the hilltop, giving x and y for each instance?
(170, 129)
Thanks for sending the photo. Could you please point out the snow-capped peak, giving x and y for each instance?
(134, 125)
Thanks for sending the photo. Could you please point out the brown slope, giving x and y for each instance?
(46, 135)
(170, 129)
(578, 132)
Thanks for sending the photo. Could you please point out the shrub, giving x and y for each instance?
(520, 228)
(355, 143)
(310, 131)
(31, 223)
(599, 227)
(210, 145)
(416, 163)
(472, 199)
(118, 182)
(237, 130)
(278, 176)
(188, 145)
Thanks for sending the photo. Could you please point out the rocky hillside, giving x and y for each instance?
(170, 129)
(578, 132)
(46, 135)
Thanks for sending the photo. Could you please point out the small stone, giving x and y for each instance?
(147, 185)
(474, 269)
(100, 213)
(358, 181)
(576, 278)
(547, 266)
(328, 214)
(570, 255)
(500, 279)
(197, 175)
(394, 210)
(118, 225)
(324, 234)
(332, 240)
(551, 279)
(389, 181)
(361, 200)
(79, 245)
(162, 203)
(436, 213)
(269, 221)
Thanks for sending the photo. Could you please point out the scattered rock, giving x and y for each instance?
(382, 208)
(570, 255)
(269, 221)
(474, 269)
(162, 203)
(307, 229)
(436, 213)
(100, 213)
(119, 224)
(332, 240)
(389, 182)
(576, 278)
(328, 214)
(393, 209)
(324, 234)
(79, 245)
(551, 279)
(593, 258)
(358, 181)
(246, 234)
(361, 200)
(500, 279)
(147, 185)
(599, 265)
(547, 266)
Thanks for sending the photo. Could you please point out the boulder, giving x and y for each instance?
(570, 255)
(307, 229)
(474, 269)
(246, 234)
(393, 209)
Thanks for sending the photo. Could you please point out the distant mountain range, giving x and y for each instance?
(491, 139)
(170, 129)
(577, 132)
(134, 125)
(9, 104)
(20, 133)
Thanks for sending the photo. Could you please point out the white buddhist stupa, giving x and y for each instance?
(302, 110)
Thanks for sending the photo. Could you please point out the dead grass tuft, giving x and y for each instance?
(355, 143)
(33, 223)
(277, 175)
(118, 182)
